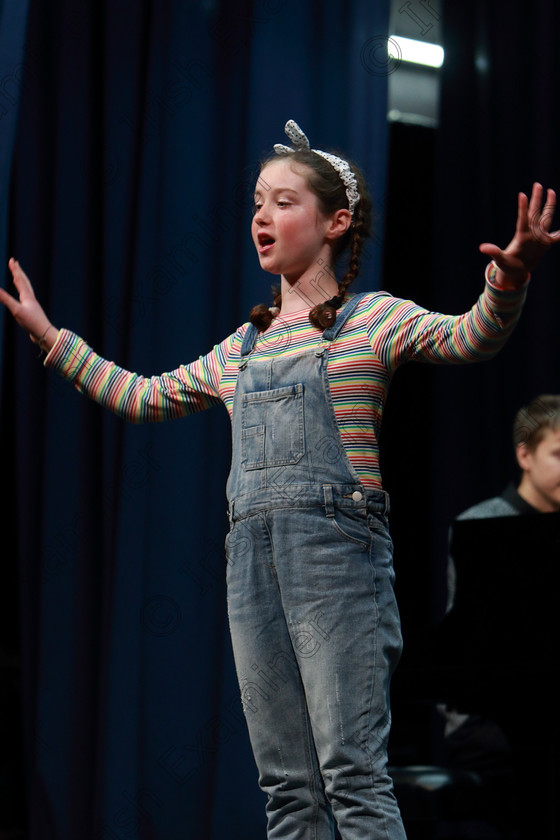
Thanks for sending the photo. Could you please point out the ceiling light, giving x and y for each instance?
(416, 52)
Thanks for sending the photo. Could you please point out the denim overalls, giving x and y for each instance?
(314, 622)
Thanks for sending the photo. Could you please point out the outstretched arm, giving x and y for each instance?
(27, 311)
(530, 242)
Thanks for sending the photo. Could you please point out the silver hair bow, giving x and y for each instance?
(300, 142)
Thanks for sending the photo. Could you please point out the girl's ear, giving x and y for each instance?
(339, 223)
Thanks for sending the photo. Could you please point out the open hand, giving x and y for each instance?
(531, 240)
(27, 311)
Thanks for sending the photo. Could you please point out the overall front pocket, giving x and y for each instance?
(272, 433)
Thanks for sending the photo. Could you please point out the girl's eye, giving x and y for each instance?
(258, 206)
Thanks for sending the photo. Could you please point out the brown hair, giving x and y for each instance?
(533, 420)
(325, 182)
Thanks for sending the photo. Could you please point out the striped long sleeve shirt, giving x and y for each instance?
(383, 333)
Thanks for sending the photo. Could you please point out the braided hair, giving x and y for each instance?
(327, 185)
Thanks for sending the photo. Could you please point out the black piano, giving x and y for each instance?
(496, 652)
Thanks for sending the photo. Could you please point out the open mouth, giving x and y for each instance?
(265, 242)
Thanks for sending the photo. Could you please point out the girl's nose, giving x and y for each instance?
(261, 215)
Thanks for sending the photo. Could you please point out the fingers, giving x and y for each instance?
(535, 215)
(532, 234)
(490, 250)
(20, 278)
(27, 311)
(535, 201)
(548, 211)
(548, 215)
(25, 308)
(23, 286)
(541, 214)
(14, 267)
(10, 302)
(550, 199)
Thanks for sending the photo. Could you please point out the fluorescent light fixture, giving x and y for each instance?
(417, 52)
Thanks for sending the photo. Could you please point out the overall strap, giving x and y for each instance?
(331, 332)
(249, 340)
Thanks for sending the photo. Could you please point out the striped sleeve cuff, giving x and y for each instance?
(506, 303)
(69, 355)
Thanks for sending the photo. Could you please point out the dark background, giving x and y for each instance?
(114, 633)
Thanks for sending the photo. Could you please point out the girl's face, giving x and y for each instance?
(290, 232)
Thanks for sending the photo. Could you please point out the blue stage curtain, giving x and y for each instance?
(13, 27)
(140, 128)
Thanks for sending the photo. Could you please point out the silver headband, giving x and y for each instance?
(301, 143)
